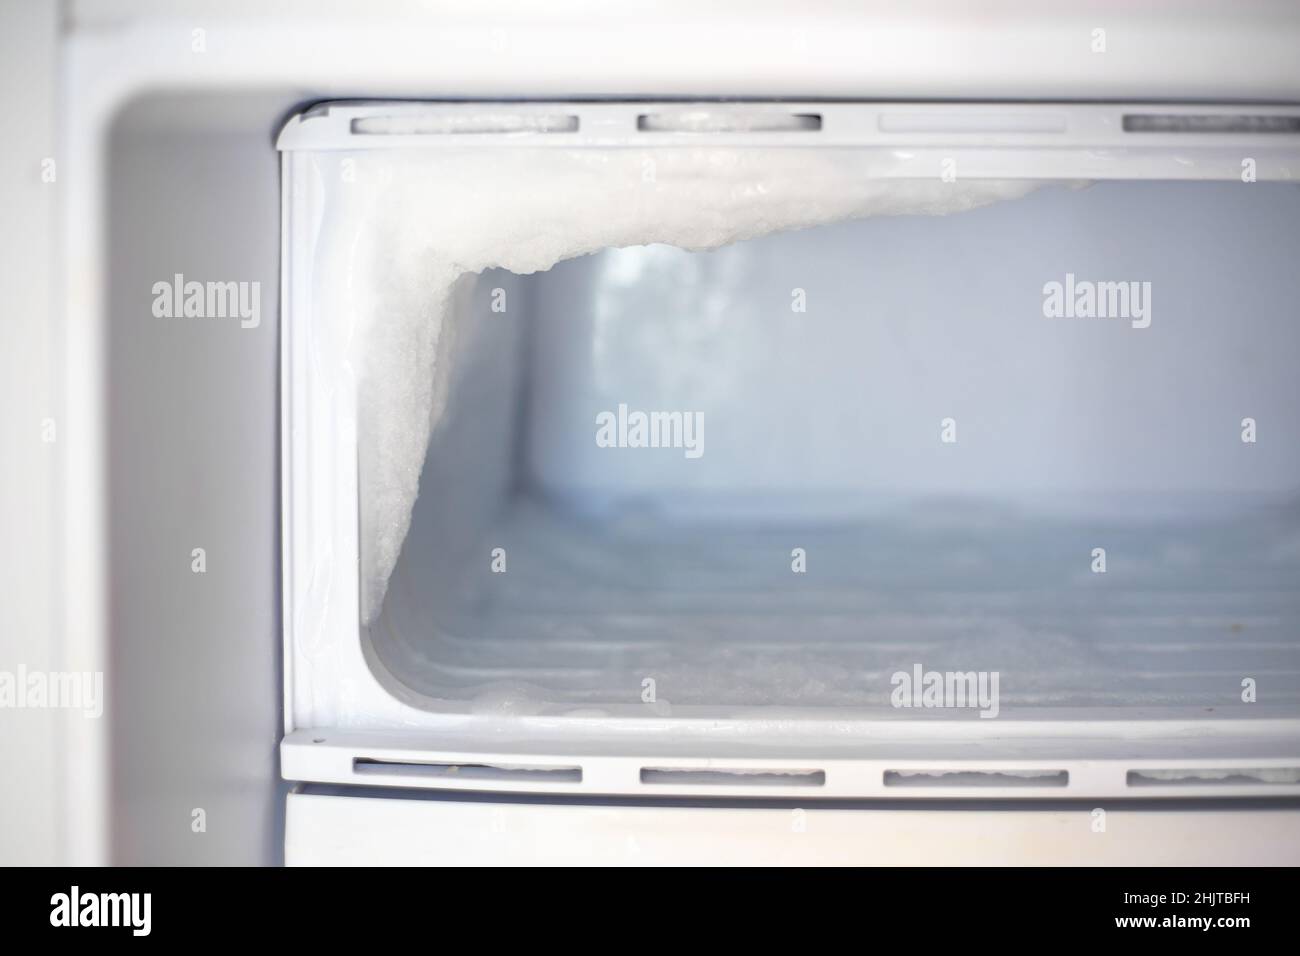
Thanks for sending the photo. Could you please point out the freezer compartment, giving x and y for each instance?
(888, 449)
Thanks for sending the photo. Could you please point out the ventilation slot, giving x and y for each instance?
(468, 771)
(452, 123)
(1215, 776)
(976, 778)
(1208, 123)
(728, 121)
(730, 777)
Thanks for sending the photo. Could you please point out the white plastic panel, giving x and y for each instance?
(331, 830)
(928, 50)
(1018, 140)
(821, 760)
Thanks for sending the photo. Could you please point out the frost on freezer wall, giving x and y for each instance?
(400, 229)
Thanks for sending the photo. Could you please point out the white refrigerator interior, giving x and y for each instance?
(753, 433)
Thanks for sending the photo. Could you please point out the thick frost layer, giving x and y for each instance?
(407, 227)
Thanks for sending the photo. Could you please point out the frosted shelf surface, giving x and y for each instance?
(717, 617)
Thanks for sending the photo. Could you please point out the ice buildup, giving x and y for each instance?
(401, 228)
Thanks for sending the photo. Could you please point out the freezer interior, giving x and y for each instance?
(884, 445)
